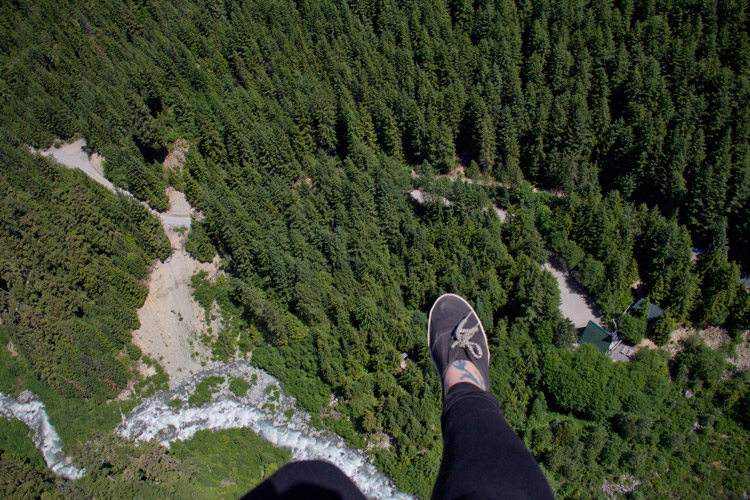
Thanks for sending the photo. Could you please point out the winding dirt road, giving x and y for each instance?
(72, 155)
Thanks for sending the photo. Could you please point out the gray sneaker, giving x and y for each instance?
(454, 332)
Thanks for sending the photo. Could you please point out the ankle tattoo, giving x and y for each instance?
(466, 375)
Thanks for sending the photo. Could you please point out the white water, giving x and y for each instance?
(154, 419)
(32, 413)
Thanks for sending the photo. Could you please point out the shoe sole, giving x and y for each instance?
(429, 322)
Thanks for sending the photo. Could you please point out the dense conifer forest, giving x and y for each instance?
(616, 135)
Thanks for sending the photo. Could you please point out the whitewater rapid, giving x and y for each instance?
(31, 412)
(265, 410)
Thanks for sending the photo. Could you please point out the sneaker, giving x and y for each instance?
(454, 332)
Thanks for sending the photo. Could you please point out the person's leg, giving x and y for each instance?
(482, 456)
(312, 479)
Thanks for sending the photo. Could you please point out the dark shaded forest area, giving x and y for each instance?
(309, 121)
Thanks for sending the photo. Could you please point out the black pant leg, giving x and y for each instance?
(482, 456)
(311, 479)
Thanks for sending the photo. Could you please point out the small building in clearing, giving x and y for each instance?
(654, 311)
(609, 344)
(597, 336)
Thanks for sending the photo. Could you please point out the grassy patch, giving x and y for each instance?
(205, 390)
(231, 461)
(149, 386)
(176, 403)
(273, 393)
(239, 386)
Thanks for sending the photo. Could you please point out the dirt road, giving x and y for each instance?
(72, 155)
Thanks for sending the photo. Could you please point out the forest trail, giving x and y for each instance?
(424, 197)
(179, 211)
(172, 322)
(459, 174)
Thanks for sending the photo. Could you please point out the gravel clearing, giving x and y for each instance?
(72, 155)
(172, 322)
(576, 304)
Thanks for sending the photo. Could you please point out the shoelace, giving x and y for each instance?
(463, 338)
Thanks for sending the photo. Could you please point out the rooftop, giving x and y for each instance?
(654, 311)
(597, 336)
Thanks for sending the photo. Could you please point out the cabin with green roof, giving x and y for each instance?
(654, 311)
(596, 336)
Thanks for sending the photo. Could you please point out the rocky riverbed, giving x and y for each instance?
(168, 416)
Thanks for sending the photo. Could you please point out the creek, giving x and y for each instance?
(29, 410)
(167, 417)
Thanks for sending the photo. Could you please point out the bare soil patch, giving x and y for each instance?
(176, 157)
(714, 337)
(646, 344)
(172, 322)
(741, 358)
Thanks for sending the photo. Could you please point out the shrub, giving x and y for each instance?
(205, 390)
(701, 363)
(632, 328)
(133, 351)
(663, 328)
(198, 242)
(239, 386)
